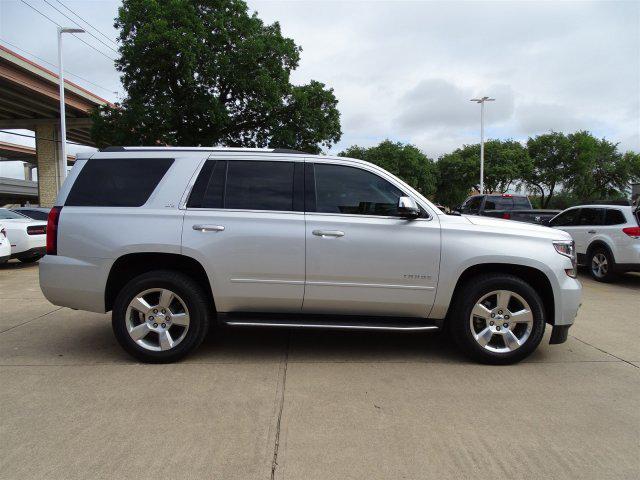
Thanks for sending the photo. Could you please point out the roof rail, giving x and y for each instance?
(621, 202)
(114, 148)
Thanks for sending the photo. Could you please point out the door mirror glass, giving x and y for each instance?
(408, 208)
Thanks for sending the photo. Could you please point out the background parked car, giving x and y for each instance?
(507, 206)
(5, 246)
(27, 236)
(36, 213)
(607, 237)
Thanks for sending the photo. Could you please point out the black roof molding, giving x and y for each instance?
(114, 148)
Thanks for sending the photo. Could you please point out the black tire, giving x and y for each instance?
(190, 292)
(30, 259)
(597, 275)
(472, 292)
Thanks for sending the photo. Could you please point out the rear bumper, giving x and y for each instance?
(4, 258)
(32, 252)
(75, 283)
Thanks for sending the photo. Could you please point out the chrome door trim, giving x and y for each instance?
(370, 285)
(267, 280)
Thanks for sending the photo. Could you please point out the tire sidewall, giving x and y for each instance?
(191, 295)
(610, 273)
(471, 294)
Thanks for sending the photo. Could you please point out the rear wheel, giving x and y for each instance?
(160, 316)
(601, 265)
(497, 319)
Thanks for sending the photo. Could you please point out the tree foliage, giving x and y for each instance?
(405, 161)
(206, 72)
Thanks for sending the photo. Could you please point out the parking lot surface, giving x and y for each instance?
(261, 404)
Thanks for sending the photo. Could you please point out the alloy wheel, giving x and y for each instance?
(600, 265)
(157, 319)
(501, 321)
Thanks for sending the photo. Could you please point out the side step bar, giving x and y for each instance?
(347, 322)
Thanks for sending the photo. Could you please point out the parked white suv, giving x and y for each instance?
(607, 237)
(170, 239)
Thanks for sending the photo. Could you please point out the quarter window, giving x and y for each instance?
(117, 182)
(350, 190)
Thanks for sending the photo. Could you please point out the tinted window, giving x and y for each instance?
(499, 203)
(565, 219)
(8, 214)
(472, 205)
(614, 217)
(35, 214)
(522, 203)
(117, 182)
(591, 216)
(259, 186)
(349, 190)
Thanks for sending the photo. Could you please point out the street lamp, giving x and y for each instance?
(63, 123)
(481, 102)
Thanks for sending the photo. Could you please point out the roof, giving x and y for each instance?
(201, 149)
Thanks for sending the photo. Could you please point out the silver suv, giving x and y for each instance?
(173, 239)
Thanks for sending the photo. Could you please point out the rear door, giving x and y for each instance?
(362, 258)
(244, 222)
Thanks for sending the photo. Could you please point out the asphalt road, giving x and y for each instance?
(261, 404)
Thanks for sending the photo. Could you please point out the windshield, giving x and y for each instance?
(9, 215)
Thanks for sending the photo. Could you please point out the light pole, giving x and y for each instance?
(481, 102)
(63, 123)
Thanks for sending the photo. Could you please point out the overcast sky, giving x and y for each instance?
(406, 70)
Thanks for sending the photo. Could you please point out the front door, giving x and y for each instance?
(362, 258)
(244, 223)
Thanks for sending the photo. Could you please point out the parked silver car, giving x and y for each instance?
(170, 239)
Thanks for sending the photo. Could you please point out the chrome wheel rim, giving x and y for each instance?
(599, 265)
(157, 319)
(501, 321)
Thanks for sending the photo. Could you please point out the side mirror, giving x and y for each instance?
(408, 208)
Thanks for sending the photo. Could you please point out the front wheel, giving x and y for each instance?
(160, 316)
(497, 319)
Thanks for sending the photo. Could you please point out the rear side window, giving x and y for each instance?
(591, 216)
(498, 203)
(522, 203)
(117, 182)
(614, 217)
(249, 185)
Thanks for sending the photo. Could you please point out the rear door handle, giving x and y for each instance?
(592, 231)
(208, 228)
(328, 233)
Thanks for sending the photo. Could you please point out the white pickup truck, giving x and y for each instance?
(173, 239)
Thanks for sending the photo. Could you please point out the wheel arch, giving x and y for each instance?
(131, 265)
(535, 277)
(599, 244)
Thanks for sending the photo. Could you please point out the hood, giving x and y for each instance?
(521, 228)
(15, 221)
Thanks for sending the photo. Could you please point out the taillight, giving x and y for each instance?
(52, 230)
(506, 215)
(36, 230)
(632, 231)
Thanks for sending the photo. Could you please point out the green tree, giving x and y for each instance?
(552, 165)
(603, 171)
(404, 161)
(205, 72)
(505, 164)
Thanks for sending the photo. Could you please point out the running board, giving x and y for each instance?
(348, 322)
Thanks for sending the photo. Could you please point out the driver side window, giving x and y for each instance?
(351, 190)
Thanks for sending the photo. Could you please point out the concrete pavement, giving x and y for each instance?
(260, 404)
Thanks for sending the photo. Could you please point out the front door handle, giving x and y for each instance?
(592, 231)
(208, 228)
(328, 233)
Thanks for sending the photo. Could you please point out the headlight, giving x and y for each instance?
(568, 249)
